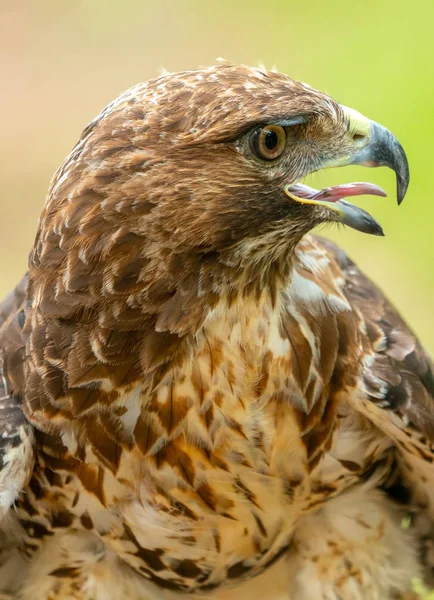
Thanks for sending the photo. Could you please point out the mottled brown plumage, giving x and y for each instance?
(193, 387)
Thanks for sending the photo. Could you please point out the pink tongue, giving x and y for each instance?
(337, 192)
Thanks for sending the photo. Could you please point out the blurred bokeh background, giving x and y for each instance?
(62, 61)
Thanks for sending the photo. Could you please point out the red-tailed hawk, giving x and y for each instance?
(193, 387)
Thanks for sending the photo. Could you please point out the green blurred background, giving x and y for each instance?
(62, 61)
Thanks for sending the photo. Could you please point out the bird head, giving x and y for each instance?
(203, 168)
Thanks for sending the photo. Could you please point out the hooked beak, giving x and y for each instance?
(384, 150)
(373, 146)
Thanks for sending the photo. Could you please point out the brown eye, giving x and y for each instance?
(268, 142)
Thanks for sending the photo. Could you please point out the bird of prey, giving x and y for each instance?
(195, 390)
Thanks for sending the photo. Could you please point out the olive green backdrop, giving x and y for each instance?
(62, 61)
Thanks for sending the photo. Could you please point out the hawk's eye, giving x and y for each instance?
(268, 142)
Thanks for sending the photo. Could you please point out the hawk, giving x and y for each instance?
(193, 386)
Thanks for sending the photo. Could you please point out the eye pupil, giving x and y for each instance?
(271, 140)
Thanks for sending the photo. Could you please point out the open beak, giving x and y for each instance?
(374, 146)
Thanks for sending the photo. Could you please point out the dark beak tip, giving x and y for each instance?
(376, 229)
(401, 188)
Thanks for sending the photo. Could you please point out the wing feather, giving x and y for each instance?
(16, 434)
(398, 380)
(400, 376)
